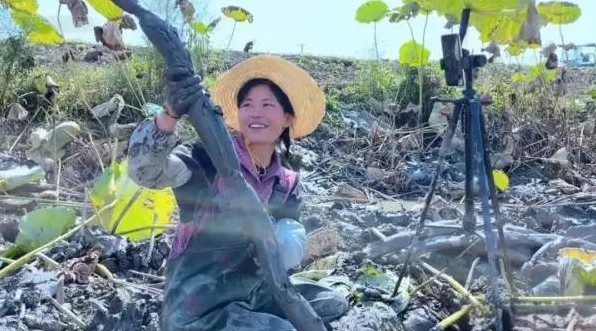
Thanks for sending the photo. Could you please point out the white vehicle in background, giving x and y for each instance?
(578, 56)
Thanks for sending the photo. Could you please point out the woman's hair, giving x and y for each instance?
(281, 97)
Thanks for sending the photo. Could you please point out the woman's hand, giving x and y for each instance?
(291, 240)
(183, 88)
(291, 237)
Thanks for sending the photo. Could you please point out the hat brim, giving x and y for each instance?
(307, 98)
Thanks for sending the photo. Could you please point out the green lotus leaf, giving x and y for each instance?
(199, 27)
(238, 14)
(577, 270)
(29, 6)
(516, 48)
(107, 9)
(405, 12)
(371, 11)
(213, 24)
(559, 12)
(37, 28)
(202, 28)
(502, 29)
(483, 8)
(136, 207)
(539, 71)
(40, 226)
(413, 54)
(534, 73)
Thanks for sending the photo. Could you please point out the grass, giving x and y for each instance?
(84, 86)
(373, 85)
(375, 80)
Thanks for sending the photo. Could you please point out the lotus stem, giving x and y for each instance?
(58, 19)
(6, 260)
(376, 44)
(149, 227)
(44, 201)
(455, 284)
(421, 79)
(48, 260)
(68, 313)
(581, 298)
(104, 271)
(452, 319)
(153, 277)
(471, 273)
(129, 204)
(231, 36)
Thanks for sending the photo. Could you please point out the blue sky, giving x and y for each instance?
(323, 27)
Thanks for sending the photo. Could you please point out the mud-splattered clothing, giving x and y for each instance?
(212, 283)
(151, 163)
(157, 162)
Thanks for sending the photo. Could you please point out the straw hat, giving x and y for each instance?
(307, 98)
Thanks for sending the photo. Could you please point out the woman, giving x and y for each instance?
(212, 279)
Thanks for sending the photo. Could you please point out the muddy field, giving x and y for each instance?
(364, 182)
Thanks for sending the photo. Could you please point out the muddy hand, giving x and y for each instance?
(183, 88)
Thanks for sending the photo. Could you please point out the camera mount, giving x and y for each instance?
(457, 62)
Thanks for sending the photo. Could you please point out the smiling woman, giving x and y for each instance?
(212, 279)
(265, 115)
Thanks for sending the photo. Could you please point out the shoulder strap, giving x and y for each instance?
(283, 187)
(191, 196)
(200, 154)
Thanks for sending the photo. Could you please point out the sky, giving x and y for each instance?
(320, 27)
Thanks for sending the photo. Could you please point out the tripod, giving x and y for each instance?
(459, 67)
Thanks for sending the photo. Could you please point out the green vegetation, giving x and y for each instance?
(372, 12)
(379, 86)
(82, 86)
(237, 14)
(375, 80)
(39, 227)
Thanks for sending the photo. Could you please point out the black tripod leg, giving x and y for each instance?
(494, 199)
(445, 147)
(469, 222)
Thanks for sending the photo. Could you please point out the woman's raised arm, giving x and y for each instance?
(151, 161)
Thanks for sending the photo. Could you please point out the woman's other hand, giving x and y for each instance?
(183, 88)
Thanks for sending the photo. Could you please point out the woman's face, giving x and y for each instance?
(261, 117)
